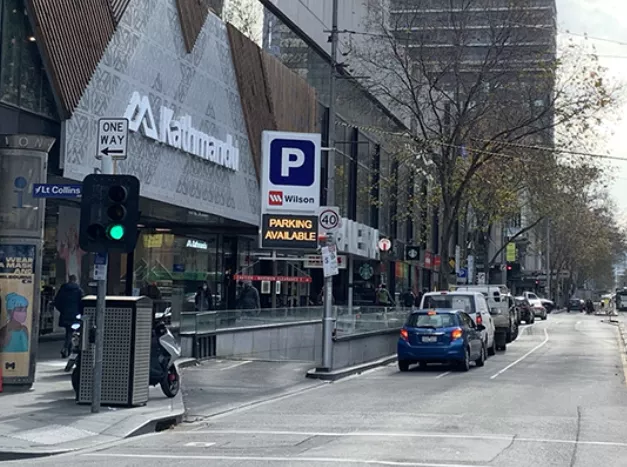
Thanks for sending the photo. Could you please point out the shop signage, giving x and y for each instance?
(428, 260)
(199, 245)
(56, 190)
(412, 252)
(315, 262)
(253, 277)
(180, 133)
(293, 232)
(366, 271)
(385, 244)
(290, 180)
(437, 261)
(357, 239)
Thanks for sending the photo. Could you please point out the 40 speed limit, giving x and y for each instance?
(329, 218)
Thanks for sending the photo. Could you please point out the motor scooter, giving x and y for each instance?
(164, 350)
(76, 344)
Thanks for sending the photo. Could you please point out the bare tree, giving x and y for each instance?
(246, 16)
(471, 92)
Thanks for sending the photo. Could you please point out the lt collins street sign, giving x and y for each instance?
(286, 231)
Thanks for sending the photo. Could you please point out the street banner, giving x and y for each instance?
(17, 277)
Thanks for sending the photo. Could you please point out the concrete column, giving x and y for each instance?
(23, 162)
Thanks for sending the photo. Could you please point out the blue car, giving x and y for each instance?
(440, 336)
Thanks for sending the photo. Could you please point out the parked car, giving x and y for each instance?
(575, 304)
(548, 304)
(441, 336)
(525, 310)
(473, 303)
(503, 313)
(536, 305)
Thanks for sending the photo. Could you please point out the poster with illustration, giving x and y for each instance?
(17, 289)
(67, 241)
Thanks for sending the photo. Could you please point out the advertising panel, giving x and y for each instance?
(17, 278)
(290, 181)
(289, 232)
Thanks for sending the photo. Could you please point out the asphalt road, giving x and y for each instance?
(557, 397)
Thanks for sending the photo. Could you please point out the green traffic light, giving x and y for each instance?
(116, 232)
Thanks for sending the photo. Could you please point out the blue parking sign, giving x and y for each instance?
(291, 172)
(292, 163)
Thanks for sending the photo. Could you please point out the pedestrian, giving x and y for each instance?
(68, 302)
(408, 298)
(203, 299)
(384, 298)
(249, 297)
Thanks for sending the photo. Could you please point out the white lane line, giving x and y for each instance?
(540, 345)
(365, 434)
(442, 375)
(291, 460)
(577, 325)
(235, 365)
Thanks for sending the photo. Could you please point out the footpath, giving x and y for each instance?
(46, 420)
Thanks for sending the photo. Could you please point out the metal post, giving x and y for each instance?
(327, 321)
(351, 285)
(99, 318)
(548, 258)
(275, 272)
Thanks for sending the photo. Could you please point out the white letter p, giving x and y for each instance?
(287, 162)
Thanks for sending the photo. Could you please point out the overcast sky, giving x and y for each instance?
(605, 19)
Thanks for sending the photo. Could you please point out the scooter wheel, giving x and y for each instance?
(171, 383)
(76, 380)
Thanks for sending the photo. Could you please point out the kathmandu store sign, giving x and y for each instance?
(180, 133)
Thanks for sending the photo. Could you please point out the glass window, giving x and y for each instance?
(457, 302)
(23, 81)
(439, 320)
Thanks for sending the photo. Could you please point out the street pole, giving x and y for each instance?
(99, 318)
(548, 258)
(327, 320)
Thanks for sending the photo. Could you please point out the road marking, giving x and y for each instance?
(291, 460)
(542, 344)
(199, 444)
(365, 434)
(230, 367)
(442, 375)
(623, 356)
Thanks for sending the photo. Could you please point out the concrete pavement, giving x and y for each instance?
(46, 420)
(557, 397)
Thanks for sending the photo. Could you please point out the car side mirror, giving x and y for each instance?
(480, 327)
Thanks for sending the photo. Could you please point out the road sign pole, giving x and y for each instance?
(99, 318)
(328, 320)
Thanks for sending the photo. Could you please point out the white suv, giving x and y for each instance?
(536, 305)
(473, 303)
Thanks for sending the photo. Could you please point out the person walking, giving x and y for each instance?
(249, 298)
(204, 299)
(68, 302)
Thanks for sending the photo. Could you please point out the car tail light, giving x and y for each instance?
(479, 319)
(456, 334)
(404, 334)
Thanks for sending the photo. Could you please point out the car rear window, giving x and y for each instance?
(439, 320)
(450, 302)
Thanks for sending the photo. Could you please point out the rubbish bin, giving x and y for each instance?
(126, 353)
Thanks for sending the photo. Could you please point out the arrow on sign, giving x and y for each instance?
(106, 151)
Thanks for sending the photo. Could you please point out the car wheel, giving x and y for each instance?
(516, 331)
(464, 365)
(508, 335)
(403, 365)
(545, 316)
(481, 360)
(492, 349)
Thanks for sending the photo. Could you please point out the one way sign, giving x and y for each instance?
(112, 138)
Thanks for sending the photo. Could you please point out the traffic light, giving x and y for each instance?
(109, 213)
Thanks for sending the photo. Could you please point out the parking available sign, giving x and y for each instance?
(291, 172)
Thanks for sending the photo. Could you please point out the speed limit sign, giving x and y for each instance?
(329, 218)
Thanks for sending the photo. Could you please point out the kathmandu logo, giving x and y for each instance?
(180, 133)
(275, 198)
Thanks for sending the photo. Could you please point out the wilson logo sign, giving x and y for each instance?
(180, 133)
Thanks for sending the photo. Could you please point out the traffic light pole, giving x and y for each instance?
(99, 318)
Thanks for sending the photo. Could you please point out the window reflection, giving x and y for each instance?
(23, 82)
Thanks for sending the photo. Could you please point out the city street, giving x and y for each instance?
(556, 398)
